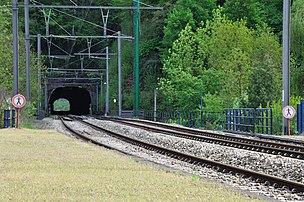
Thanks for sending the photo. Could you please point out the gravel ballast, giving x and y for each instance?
(287, 168)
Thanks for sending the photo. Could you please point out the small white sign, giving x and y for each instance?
(288, 112)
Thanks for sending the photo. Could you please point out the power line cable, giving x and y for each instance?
(93, 46)
(73, 3)
(88, 64)
(58, 47)
(81, 25)
(142, 3)
(36, 2)
(61, 26)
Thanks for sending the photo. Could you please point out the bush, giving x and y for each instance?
(27, 113)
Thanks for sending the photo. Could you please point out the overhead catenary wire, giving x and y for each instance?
(61, 26)
(50, 18)
(69, 55)
(93, 46)
(58, 47)
(72, 38)
(82, 49)
(88, 64)
(70, 15)
(36, 2)
(96, 7)
(81, 25)
(73, 3)
(142, 3)
(67, 31)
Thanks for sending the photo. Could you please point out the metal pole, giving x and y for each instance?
(286, 60)
(155, 96)
(136, 57)
(39, 72)
(27, 49)
(15, 45)
(45, 98)
(107, 81)
(101, 90)
(97, 99)
(119, 75)
(201, 101)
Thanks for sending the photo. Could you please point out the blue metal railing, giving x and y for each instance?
(250, 120)
(210, 120)
(9, 118)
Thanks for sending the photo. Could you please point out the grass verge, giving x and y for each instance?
(43, 165)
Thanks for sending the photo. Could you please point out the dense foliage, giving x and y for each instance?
(6, 61)
(239, 72)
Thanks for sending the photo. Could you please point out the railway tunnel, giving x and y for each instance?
(79, 100)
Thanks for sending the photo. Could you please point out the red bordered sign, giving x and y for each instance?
(18, 101)
(288, 112)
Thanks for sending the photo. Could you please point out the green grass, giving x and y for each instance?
(38, 165)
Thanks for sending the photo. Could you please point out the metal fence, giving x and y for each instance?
(250, 120)
(9, 118)
(209, 120)
(300, 115)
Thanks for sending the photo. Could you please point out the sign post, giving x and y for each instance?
(18, 101)
(288, 113)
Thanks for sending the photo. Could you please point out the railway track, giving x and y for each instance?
(220, 167)
(270, 147)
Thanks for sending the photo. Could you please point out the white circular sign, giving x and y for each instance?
(18, 101)
(288, 112)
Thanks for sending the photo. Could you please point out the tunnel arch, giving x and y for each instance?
(79, 99)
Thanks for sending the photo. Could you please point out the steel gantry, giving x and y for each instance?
(136, 8)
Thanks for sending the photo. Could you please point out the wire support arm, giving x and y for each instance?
(76, 37)
(94, 7)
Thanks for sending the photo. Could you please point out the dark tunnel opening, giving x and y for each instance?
(79, 100)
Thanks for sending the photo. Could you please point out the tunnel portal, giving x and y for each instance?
(79, 99)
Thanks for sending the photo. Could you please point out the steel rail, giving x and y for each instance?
(276, 141)
(292, 151)
(230, 133)
(267, 137)
(275, 181)
(85, 138)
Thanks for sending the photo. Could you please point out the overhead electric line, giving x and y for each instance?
(85, 37)
(94, 7)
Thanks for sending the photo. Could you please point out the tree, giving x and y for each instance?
(249, 10)
(297, 47)
(265, 76)
(256, 12)
(175, 22)
(272, 11)
(6, 77)
(6, 46)
(181, 84)
(185, 12)
(233, 65)
(229, 48)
